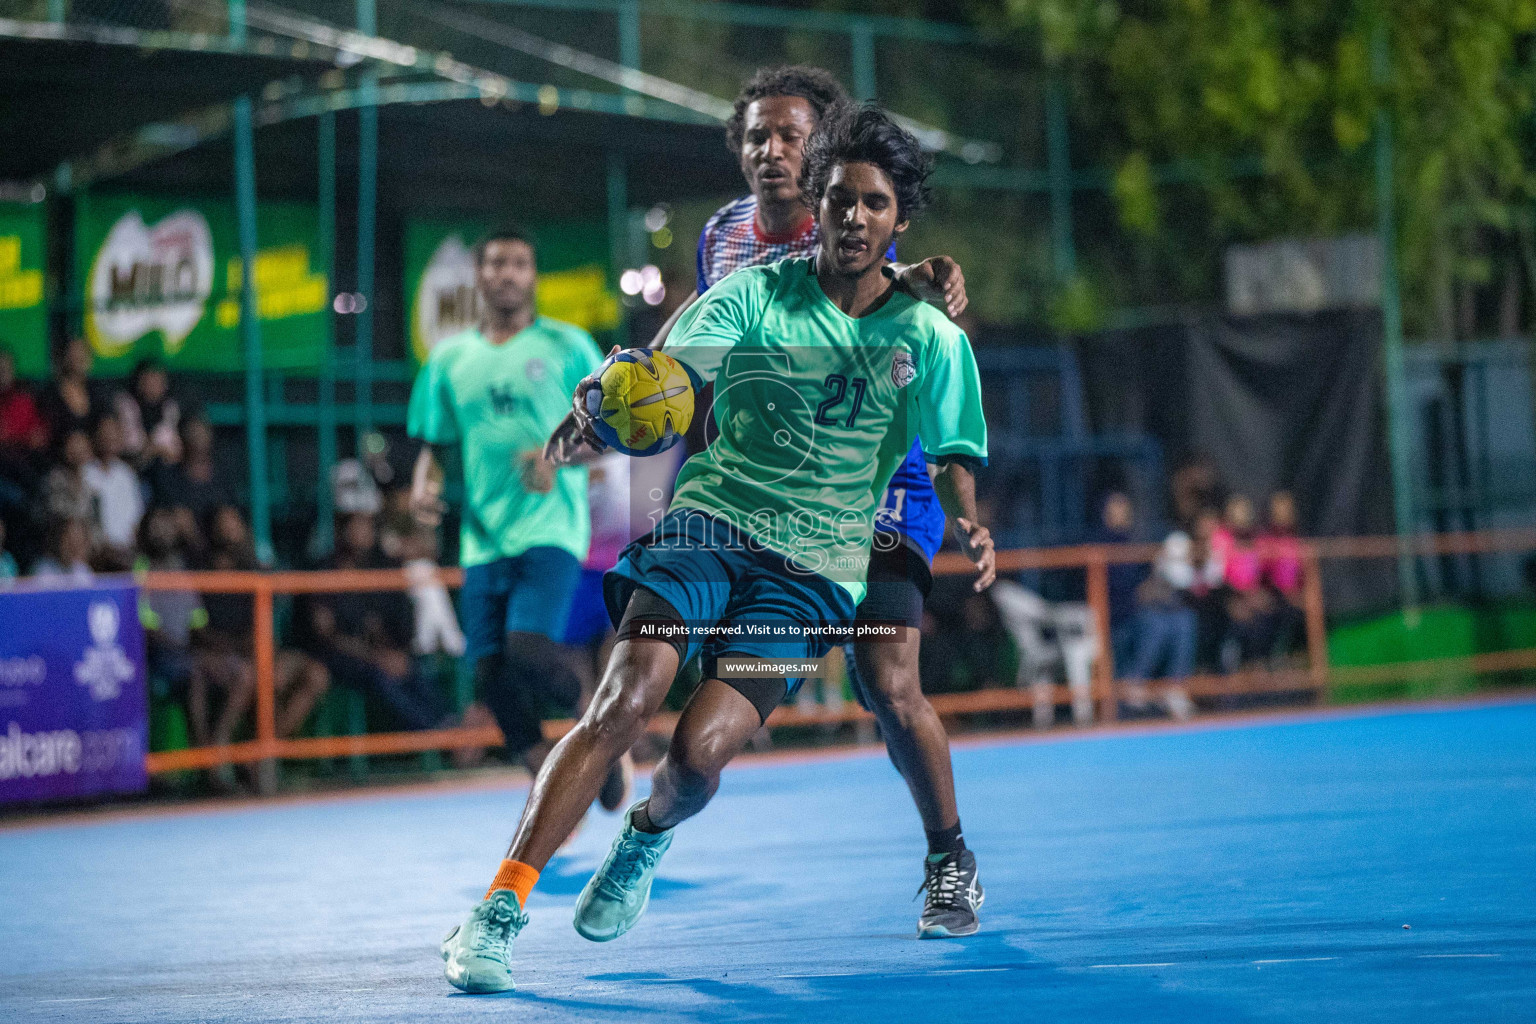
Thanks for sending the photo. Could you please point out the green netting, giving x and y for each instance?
(981, 93)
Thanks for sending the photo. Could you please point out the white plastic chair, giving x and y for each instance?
(1054, 640)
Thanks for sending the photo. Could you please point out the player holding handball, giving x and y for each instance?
(825, 372)
(775, 112)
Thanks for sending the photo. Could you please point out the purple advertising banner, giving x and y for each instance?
(74, 716)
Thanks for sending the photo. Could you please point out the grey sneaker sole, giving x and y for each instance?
(938, 931)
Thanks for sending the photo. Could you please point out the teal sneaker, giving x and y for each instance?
(478, 952)
(621, 889)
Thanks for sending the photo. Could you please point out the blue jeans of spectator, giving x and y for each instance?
(1158, 638)
(412, 699)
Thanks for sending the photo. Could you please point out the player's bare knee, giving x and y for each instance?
(632, 687)
(616, 717)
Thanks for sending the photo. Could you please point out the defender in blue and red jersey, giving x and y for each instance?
(775, 113)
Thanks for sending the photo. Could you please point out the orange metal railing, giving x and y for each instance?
(1094, 559)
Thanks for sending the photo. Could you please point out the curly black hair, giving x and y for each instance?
(817, 87)
(867, 134)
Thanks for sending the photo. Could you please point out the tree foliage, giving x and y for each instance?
(1299, 84)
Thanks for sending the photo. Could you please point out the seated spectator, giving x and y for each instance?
(398, 529)
(354, 488)
(169, 617)
(1117, 522)
(1280, 562)
(1190, 565)
(119, 497)
(1252, 609)
(1152, 630)
(1281, 565)
(221, 685)
(67, 561)
(1195, 486)
(150, 417)
(23, 433)
(65, 493)
(223, 646)
(360, 636)
(68, 402)
(191, 487)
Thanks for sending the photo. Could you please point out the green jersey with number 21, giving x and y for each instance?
(816, 409)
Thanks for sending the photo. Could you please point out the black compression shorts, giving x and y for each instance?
(899, 582)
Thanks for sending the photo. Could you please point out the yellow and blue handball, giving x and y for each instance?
(644, 403)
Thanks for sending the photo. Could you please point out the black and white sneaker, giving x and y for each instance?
(954, 896)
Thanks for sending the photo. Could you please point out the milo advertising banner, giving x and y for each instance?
(440, 278)
(162, 277)
(23, 315)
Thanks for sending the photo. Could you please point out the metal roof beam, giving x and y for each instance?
(770, 17)
(182, 42)
(280, 102)
(972, 151)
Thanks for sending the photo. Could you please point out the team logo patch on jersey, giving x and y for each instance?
(903, 369)
(534, 368)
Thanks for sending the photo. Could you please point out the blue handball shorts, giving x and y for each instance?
(721, 587)
(528, 593)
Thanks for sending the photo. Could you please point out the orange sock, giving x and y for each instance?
(518, 877)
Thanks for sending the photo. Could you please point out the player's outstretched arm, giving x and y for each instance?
(666, 328)
(427, 505)
(937, 281)
(956, 487)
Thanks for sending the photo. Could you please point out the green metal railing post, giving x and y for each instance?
(1392, 329)
(1059, 170)
(367, 226)
(862, 38)
(236, 21)
(250, 328)
(325, 527)
(629, 34)
(56, 11)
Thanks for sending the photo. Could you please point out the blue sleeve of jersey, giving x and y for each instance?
(911, 507)
(703, 274)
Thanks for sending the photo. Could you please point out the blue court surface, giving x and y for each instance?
(1256, 871)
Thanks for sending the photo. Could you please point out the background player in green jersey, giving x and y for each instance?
(824, 373)
(495, 392)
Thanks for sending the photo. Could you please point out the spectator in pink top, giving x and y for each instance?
(1250, 606)
(1279, 550)
(1233, 543)
(1283, 572)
